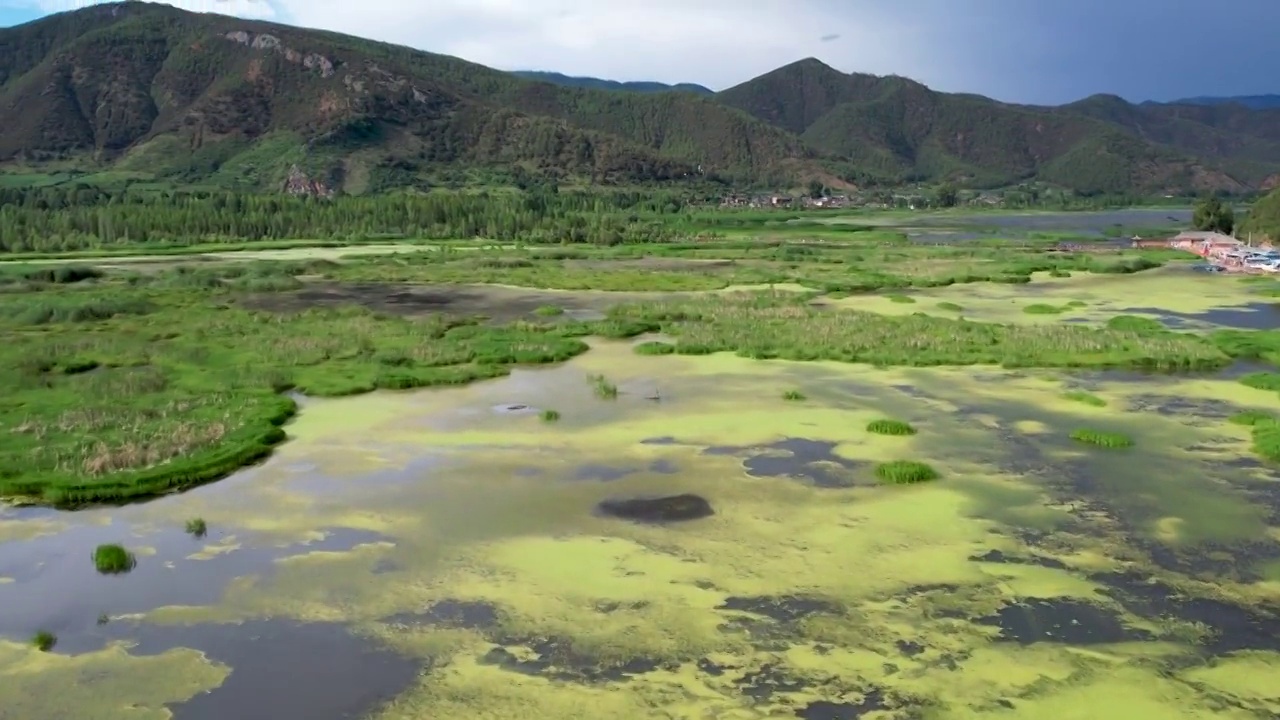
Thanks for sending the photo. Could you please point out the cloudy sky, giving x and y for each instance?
(1032, 51)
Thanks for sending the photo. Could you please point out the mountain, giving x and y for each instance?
(152, 89)
(599, 84)
(1102, 144)
(1253, 102)
(149, 91)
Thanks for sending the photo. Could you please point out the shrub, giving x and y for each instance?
(197, 528)
(44, 640)
(112, 559)
(550, 415)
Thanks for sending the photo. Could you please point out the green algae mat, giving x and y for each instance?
(1035, 576)
(749, 503)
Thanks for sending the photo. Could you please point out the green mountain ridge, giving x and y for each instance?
(1100, 144)
(594, 83)
(1253, 102)
(150, 91)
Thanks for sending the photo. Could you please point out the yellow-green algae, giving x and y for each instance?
(108, 684)
(492, 513)
(1171, 289)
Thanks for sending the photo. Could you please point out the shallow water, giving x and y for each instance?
(1082, 222)
(452, 546)
(1177, 296)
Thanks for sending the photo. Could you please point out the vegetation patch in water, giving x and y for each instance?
(1250, 417)
(793, 395)
(602, 387)
(901, 299)
(197, 528)
(1043, 309)
(890, 427)
(1102, 438)
(1085, 398)
(131, 406)
(905, 472)
(113, 559)
(44, 640)
(1136, 323)
(1266, 439)
(950, 306)
(1268, 381)
(784, 326)
(548, 311)
(550, 415)
(655, 348)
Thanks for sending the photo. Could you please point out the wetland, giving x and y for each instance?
(736, 478)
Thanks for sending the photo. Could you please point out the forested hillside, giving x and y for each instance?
(600, 84)
(1103, 144)
(154, 93)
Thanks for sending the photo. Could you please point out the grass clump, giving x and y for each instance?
(44, 640)
(549, 311)
(1043, 309)
(1268, 381)
(112, 559)
(905, 472)
(1266, 439)
(1101, 438)
(1085, 398)
(603, 388)
(197, 528)
(1250, 417)
(890, 427)
(902, 299)
(950, 306)
(793, 395)
(550, 415)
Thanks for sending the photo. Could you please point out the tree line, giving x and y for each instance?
(82, 218)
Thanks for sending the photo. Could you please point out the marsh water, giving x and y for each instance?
(437, 554)
(444, 554)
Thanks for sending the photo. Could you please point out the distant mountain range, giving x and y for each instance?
(599, 84)
(1253, 102)
(147, 90)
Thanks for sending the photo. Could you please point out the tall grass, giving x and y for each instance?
(602, 387)
(783, 326)
(890, 427)
(1102, 438)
